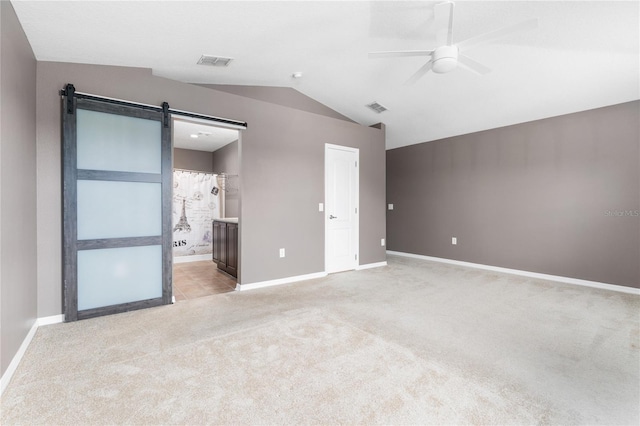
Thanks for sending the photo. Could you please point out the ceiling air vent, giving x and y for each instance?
(377, 107)
(214, 61)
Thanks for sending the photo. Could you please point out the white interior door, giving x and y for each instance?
(341, 208)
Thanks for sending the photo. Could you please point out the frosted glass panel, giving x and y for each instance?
(109, 209)
(118, 275)
(118, 143)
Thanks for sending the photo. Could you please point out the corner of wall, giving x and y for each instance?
(18, 235)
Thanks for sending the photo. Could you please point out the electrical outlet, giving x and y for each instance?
(390, 206)
(382, 242)
(282, 252)
(454, 240)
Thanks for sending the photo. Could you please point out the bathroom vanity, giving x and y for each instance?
(225, 245)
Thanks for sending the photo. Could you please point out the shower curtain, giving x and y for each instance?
(194, 208)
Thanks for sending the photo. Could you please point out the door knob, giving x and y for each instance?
(332, 216)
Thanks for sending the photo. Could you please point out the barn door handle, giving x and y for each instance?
(332, 216)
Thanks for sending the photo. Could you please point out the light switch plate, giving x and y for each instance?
(390, 206)
(320, 207)
(454, 240)
(382, 242)
(281, 252)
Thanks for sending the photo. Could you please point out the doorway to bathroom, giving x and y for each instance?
(117, 167)
(205, 189)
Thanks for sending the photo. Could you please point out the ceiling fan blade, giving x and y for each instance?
(418, 74)
(476, 41)
(400, 53)
(443, 13)
(472, 65)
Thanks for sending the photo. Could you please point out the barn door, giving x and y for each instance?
(116, 206)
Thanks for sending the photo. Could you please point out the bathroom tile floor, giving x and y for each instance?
(197, 279)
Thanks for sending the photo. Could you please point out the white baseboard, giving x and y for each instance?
(194, 258)
(53, 319)
(297, 278)
(370, 265)
(261, 284)
(8, 374)
(11, 369)
(568, 280)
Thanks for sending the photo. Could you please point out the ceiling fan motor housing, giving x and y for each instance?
(445, 59)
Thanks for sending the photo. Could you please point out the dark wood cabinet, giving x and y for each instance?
(232, 249)
(217, 241)
(225, 246)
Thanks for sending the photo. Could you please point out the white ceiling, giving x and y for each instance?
(209, 138)
(584, 55)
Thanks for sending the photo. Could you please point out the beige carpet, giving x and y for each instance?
(412, 343)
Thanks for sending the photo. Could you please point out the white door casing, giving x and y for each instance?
(341, 208)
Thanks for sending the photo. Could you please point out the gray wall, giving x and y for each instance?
(532, 196)
(282, 182)
(285, 96)
(18, 280)
(226, 160)
(190, 159)
(281, 172)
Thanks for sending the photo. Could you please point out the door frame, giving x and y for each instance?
(215, 122)
(355, 231)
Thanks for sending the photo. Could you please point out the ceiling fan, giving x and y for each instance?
(448, 55)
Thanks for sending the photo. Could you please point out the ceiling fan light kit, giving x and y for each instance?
(445, 59)
(448, 56)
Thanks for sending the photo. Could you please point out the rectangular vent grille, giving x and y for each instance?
(377, 107)
(214, 61)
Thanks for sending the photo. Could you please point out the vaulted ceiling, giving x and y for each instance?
(583, 55)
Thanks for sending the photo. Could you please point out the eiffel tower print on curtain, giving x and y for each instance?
(183, 224)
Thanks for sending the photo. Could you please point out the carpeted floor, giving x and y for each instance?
(415, 342)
